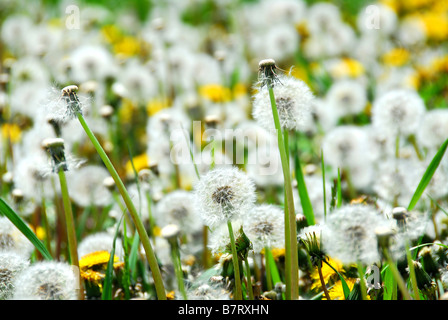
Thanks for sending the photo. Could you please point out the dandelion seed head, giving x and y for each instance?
(345, 146)
(398, 111)
(222, 194)
(46, 280)
(12, 239)
(87, 188)
(11, 265)
(347, 97)
(349, 235)
(293, 98)
(433, 130)
(178, 207)
(264, 226)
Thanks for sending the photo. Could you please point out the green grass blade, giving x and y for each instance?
(323, 184)
(390, 285)
(427, 176)
(345, 286)
(7, 211)
(107, 286)
(273, 268)
(303, 192)
(339, 190)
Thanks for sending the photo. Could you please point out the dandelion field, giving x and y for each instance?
(224, 150)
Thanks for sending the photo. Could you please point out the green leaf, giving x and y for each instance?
(427, 176)
(273, 267)
(107, 286)
(339, 188)
(345, 286)
(305, 201)
(390, 285)
(6, 210)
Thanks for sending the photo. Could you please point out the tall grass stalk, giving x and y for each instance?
(157, 276)
(238, 295)
(291, 254)
(71, 233)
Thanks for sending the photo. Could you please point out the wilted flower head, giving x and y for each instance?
(293, 99)
(398, 111)
(46, 280)
(222, 194)
(264, 225)
(11, 264)
(349, 235)
(12, 239)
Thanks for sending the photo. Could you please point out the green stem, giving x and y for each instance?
(157, 276)
(412, 273)
(175, 256)
(249, 280)
(400, 282)
(362, 283)
(238, 291)
(268, 269)
(70, 225)
(290, 217)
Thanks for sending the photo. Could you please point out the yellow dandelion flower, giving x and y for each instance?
(277, 253)
(396, 57)
(215, 93)
(140, 162)
(12, 132)
(126, 111)
(156, 231)
(93, 265)
(327, 272)
(337, 292)
(436, 25)
(347, 67)
(111, 33)
(239, 90)
(393, 4)
(127, 47)
(170, 295)
(155, 105)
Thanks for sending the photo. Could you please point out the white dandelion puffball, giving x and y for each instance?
(349, 234)
(46, 280)
(177, 207)
(398, 111)
(11, 264)
(12, 239)
(345, 147)
(347, 97)
(434, 129)
(222, 194)
(87, 188)
(293, 98)
(264, 225)
(100, 241)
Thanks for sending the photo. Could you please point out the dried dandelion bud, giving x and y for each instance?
(106, 111)
(71, 98)
(55, 146)
(267, 75)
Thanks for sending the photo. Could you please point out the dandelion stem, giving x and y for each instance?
(175, 256)
(71, 234)
(412, 273)
(290, 220)
(322, 282)
(362, 283)
(249, 279)
(400, 282)
(238, 291)
(160, 289)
